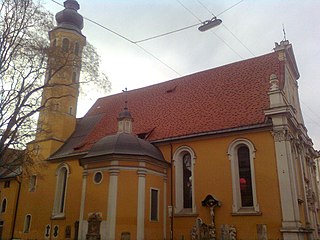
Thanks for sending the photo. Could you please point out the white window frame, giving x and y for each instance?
(56, 213)
(233, 157)
(178, 164)
(158, 204)
(94, 175)
(25, 225)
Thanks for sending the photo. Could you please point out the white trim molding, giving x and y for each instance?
(237, 207)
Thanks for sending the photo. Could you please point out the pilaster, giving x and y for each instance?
(165, 207)
(82, 202)
(112, 204)
(141, 203)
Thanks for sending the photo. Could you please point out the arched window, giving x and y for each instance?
(242, 154)
(184, 159)
(61, 190)
(27, 223)
(76, 49)
(187, 180)
(65, 44)
(54, 43)
(4, 205)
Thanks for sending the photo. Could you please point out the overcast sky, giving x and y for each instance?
(249, 29)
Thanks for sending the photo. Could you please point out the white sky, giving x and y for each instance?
(256, 23)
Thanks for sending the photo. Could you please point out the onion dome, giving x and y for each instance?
(124, 144)
(69, 18)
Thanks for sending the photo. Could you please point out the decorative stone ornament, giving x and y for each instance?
(274, 82)
(228, 232)
(202, 231)
(125, 236)
(262, 232)
(94, 222)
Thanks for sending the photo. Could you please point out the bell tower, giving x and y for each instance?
(57, 118)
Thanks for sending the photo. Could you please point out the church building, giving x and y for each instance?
(218, 154)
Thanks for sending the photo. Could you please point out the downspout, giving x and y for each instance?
(171, 198)
(16, 209)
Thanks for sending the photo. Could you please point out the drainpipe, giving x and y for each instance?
(16, 209)
(171, 198)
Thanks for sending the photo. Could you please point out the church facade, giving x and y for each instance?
(219, 154)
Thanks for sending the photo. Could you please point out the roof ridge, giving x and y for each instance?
(185, 76)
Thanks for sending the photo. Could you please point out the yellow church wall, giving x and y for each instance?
(127, 202)
(60, 124)
(96, 195)
(10, 194)
(154, 229)
(43, 197)
(212, 175)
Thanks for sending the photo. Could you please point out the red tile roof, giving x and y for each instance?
(226, 97)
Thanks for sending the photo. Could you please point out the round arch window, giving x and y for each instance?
(97, 177)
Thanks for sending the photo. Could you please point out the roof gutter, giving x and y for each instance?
(72, 155)
(206, 134)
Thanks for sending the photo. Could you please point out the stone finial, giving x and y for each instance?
(283, 45)
(274, 82)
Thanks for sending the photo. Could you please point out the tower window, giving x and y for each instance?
(54, 43)
(4, 205)
(56, 106)
(6, 184)
(76, 49)
(70, 110)
(74, 77)
(65, 44)
(27, 223)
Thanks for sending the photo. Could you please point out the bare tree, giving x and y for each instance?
(24, 72)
